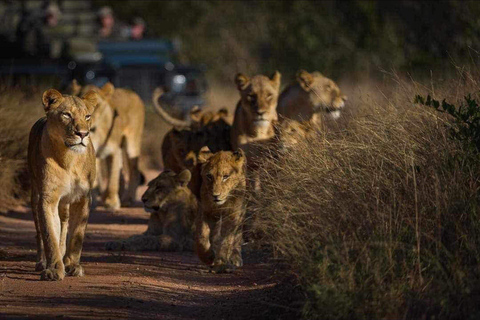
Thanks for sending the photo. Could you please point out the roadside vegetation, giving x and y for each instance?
(19, 109)
(380, 219)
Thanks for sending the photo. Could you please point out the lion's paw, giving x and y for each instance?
(237, 260)
(74, 270)
(40, 265)
(53, 274)
(112, 203)
(114, 246)
(223, 268)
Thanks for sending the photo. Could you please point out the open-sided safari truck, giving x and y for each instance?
(75, 52)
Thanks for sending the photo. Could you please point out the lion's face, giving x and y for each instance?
(324, 94)
(289, 132)
(258, 97)
(103, 116)
(164, 188)
(70, 118)
(222, 173)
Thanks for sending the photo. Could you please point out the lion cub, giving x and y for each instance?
(61, 161)
(173, 208)
(219, 222)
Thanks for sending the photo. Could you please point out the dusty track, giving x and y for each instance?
(133, 285)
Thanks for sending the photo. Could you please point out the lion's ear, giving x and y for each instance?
(204, 154)
(184, 177)
(276, 79)
(168, 172)
(107, 90)
(92, 99)
(223, 113)
(196, 114)
(241, 81)
(305, 79)
(344, 98)
(240, 158)
(51, 99)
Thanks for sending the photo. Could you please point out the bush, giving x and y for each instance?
(380, 220)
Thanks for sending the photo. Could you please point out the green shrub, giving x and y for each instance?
(467, 118)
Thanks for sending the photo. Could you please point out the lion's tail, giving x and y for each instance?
(157, 93)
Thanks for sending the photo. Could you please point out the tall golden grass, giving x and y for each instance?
(379, 219)
(19, 109)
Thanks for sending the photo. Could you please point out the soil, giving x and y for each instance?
(132, 285)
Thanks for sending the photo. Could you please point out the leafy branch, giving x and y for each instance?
(466, 117)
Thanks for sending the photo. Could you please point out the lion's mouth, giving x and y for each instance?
(260, 122)
(73, 145)
(152, 208)
(219, 202)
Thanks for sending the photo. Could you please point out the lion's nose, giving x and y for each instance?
(216, 197)
(260, 112)
(81, 134)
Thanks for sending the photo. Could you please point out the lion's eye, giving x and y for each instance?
(269, 97)
(251, 97)
(88, 117)
(66, 115)
(209, 177)
(225, 177)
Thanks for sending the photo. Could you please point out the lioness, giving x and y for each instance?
(256, 110)
(117, 125)
(61, 161)
(181, 145)
(173, 208)
(312, 95)
(255, 116)
(221, 215)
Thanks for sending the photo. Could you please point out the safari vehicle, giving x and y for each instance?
(138, 65)
(142, 66)
(75, 52)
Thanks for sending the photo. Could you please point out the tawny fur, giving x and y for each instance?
(181, 145)
(171, 225)
(289, 132)
(221, 214)
(117, 126)
(61, 161)
(255, 116)
(256, 110)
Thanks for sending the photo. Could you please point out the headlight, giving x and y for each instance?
(90, 75)
(179, 79)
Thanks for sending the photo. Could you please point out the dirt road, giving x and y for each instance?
(132, 285)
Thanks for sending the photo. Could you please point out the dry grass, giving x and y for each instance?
(379, 220)
(19, 109)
